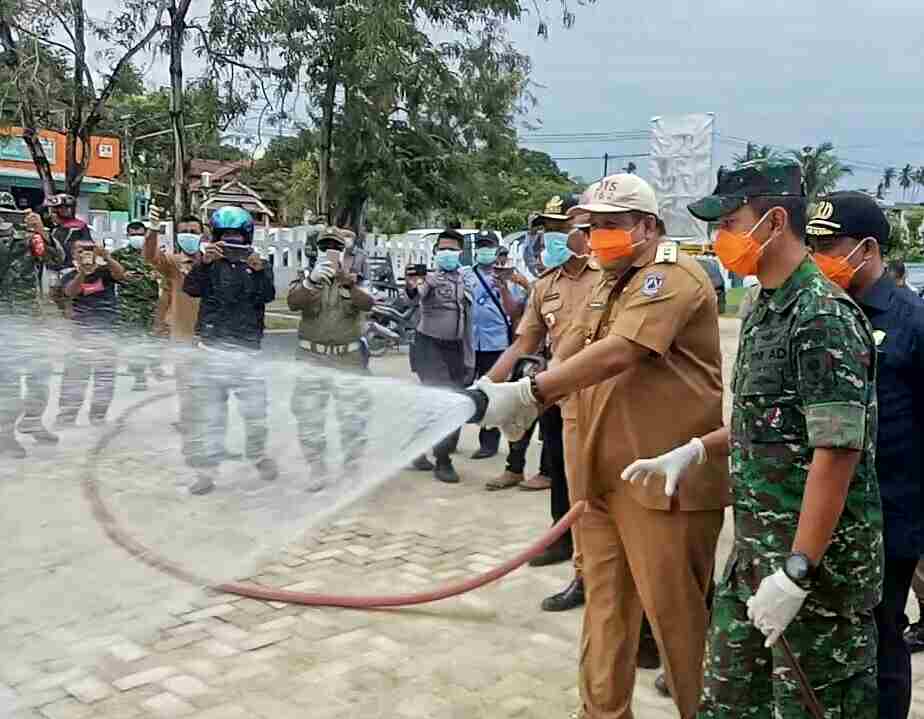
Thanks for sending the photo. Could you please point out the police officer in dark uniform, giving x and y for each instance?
(850, 234)
(443, 349)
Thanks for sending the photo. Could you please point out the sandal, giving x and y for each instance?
(505, 481)
(537, 483)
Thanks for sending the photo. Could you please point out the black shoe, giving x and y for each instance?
(446, 473)
(648, 656)
(571, 598)
(556, 554)
(267, 469)
(422, 464)
(484, 453)
(202, 485)
(38, 432)
(9, 447)
(661, 685)
(914, 637)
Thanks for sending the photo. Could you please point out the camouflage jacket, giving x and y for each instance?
(139, 292)
(20, 273)
(805, 377)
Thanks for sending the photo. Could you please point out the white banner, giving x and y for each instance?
(681, 170)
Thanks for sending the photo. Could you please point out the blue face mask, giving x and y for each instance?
(448, 260)
(136, 242)
(486, 255)
(556, 252)
(189, 242)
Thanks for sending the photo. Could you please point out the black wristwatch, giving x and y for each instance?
(799, 568)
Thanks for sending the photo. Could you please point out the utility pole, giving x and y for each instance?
(128, 149)
(606, 163)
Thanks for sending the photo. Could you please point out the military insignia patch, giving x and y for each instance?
(879, 336)
(652, 284)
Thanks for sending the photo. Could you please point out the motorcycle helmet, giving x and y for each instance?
(231, 219)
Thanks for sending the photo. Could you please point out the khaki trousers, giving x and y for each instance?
(635, 560)
(575, 487)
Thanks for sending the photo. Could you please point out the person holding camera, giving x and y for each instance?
(234, 285)
(332, 302)
(91, 289)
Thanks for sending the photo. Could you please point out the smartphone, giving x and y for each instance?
(334, 256)
(87, 259)
(237, 253)
(504, 271)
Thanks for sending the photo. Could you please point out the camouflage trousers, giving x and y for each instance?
(12, 402)
(744, 680)
(313, 392)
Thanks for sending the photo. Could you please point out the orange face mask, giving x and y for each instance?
(609, 245)
(740, 253)
(838, 269)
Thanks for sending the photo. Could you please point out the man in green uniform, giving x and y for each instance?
(138, 296)
(25, 247)
(808, 555)
(332, 302)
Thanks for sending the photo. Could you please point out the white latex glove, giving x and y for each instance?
(511, 406)
(154, 213)
(671, 464)
(324, 272)
(776, 604)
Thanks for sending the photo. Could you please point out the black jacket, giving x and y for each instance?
(897, 316)
(233, 302)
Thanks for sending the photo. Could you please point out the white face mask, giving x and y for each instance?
(136, 242)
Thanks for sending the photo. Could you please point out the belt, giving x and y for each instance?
(320, 349)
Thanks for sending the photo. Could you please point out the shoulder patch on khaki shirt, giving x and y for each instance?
(667, 253)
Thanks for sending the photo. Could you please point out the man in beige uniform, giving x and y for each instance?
(648, 372)
(554, 298)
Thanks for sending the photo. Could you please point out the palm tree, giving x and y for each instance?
(821, 169)
(753, 152)
(906, 179)
(888, 176)
(880, 190)
(918, 178)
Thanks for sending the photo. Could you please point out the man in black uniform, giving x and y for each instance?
(850, 235)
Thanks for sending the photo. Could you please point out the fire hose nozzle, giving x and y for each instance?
(527, 365)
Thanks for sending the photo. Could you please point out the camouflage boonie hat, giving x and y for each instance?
(758, 178)
(337, 234)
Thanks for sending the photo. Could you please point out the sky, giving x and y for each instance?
(780, 72)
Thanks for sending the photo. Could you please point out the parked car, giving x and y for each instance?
(914, 277)
(714, 270)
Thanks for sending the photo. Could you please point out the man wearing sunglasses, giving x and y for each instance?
(850, 235)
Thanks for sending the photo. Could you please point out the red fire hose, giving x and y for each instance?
(144, 554)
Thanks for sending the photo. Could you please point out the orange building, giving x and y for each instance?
(18, 174)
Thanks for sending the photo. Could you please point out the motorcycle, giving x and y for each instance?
(388, 327)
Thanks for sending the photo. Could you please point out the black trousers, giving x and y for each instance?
(894, 657)
(488, 439)
(554, 448)
(441, 363)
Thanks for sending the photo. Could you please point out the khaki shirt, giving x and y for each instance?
(553, 301)
(331, 314)
(183, 312)
(666, 304)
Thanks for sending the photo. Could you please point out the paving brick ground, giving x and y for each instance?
(488, 654)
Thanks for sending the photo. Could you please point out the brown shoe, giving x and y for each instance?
(537, 483)
(505, 481)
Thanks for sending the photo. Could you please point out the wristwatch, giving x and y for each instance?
(798, 567)
(534, 387)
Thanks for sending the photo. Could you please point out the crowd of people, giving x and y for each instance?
(821, 460)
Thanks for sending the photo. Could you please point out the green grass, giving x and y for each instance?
(274, 322)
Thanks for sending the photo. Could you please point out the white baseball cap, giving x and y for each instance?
(619, 193)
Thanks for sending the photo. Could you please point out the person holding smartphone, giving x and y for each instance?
(234, 285)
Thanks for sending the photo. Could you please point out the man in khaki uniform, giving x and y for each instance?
(554, 298)
(332, 303)
(644, 354)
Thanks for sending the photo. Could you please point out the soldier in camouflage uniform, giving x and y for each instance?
(332, 302)
(808, 556)
(25, 247)
(138, 296)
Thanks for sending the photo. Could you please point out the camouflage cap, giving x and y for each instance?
(758, 178)
(335, 234)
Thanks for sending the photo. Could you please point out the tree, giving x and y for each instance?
(821, 169)
(402, 94)
(630, 168)
(753, 152)
(918, 178)
(38, 21)
(888, 177)
(906, 179)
